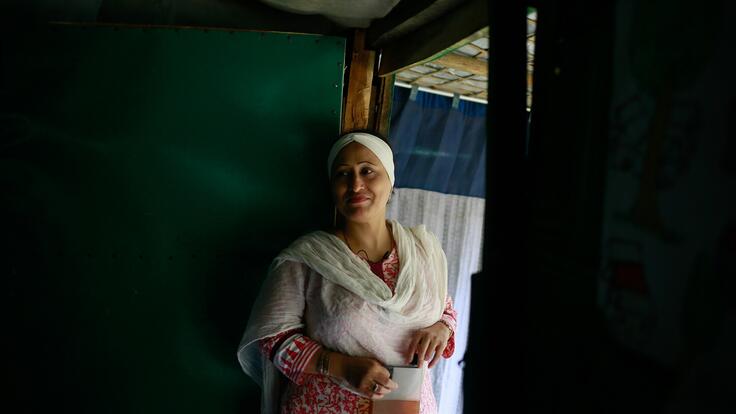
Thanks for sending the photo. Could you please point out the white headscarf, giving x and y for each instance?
(376, 145)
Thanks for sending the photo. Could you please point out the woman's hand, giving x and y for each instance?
(429, 343)
(363, 373)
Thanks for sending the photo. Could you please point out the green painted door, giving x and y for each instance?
(148, 178)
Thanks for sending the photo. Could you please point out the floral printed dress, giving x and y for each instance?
(291, 351)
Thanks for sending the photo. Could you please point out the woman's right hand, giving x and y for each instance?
(363, 373)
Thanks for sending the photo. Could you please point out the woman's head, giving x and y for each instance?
(361, 171)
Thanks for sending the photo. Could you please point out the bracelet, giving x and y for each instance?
(323, 364)
(447, 325)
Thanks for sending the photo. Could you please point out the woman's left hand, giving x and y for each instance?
(429, 343)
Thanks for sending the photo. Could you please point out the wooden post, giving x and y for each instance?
(357, 113)
(381, 99)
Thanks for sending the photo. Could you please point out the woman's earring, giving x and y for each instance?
(334, 216)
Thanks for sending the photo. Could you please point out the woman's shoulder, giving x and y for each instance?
(281, 264)
(307, 245)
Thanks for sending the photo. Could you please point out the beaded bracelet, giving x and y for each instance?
(447, 325)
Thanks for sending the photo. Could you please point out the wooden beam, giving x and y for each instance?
(434, 39)
(464, 63)
(428, 74)
(460, 62)
(381, 100)
(357, 111)
(452, 82)
(476, 94)
(406, 17)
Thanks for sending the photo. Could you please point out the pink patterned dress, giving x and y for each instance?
(291, 351)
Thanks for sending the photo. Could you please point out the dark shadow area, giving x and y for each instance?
(605, 286)
(143, 203)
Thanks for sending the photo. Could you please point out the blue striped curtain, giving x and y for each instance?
(438, 147)
(439, 151)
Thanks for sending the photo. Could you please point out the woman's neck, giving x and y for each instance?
(373, 237)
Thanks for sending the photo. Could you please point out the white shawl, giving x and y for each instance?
(318, 284)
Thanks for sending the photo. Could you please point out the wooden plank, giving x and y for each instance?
(435, 39)
(383, 100)
(406, 17)
(357, 113)
(427, 75)
(464, 63)
(451, 83)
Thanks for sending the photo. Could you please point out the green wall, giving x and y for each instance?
(148, 178)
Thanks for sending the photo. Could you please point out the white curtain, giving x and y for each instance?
(458, 223)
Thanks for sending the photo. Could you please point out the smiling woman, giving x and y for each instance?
(361, 187)
(340, 307)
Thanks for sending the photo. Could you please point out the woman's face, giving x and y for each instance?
(360, 184)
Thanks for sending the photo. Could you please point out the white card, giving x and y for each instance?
(409, 379)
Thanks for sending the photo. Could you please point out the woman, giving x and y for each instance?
(337, 307)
